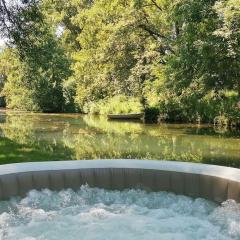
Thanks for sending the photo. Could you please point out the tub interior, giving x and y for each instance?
(93, 213)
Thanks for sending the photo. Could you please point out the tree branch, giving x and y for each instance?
(156, 5)
(152, 32)
(156, 36)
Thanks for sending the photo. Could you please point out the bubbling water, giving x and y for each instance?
(97, 214)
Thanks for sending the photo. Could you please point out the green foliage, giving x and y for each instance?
(114, 105)
(179, 58)
(36, 86)
(17, 94)
(152, 115)
(34, 82)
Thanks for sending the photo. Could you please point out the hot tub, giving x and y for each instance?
(119, 199)
(211, 182)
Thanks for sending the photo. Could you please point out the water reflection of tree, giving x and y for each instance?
(112, 146)
(19, 128)
(89, 137)
(118, 127)
(104, 139)
(26, 128)
(160, 142)
(25, 133)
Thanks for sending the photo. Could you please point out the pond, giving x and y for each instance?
(44, 137)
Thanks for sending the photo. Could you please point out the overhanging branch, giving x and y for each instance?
(156, 36)
(156, 5)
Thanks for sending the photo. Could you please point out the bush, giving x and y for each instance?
(152, 115)
(196, 107)
(114, 105)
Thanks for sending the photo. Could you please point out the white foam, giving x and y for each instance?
(96, 214)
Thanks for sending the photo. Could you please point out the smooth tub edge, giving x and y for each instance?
(211, 182)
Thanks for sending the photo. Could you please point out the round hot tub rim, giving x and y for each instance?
(215, 183)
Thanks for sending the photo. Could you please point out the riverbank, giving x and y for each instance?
(43, 137)
(150, 117)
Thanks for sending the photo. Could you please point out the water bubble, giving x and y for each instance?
(92, 213)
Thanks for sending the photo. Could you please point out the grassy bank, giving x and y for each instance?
(13, 152)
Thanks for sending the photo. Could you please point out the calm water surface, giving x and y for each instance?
(43, 137)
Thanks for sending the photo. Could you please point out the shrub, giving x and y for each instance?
(152, 115)
(114, 105)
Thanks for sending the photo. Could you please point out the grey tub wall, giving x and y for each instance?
(195, 180)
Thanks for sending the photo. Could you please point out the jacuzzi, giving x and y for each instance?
(116, 199)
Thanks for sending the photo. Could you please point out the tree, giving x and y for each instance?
(180, 56)
(119, 44)
(229, 33)
(16, 21)
(42, 65)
